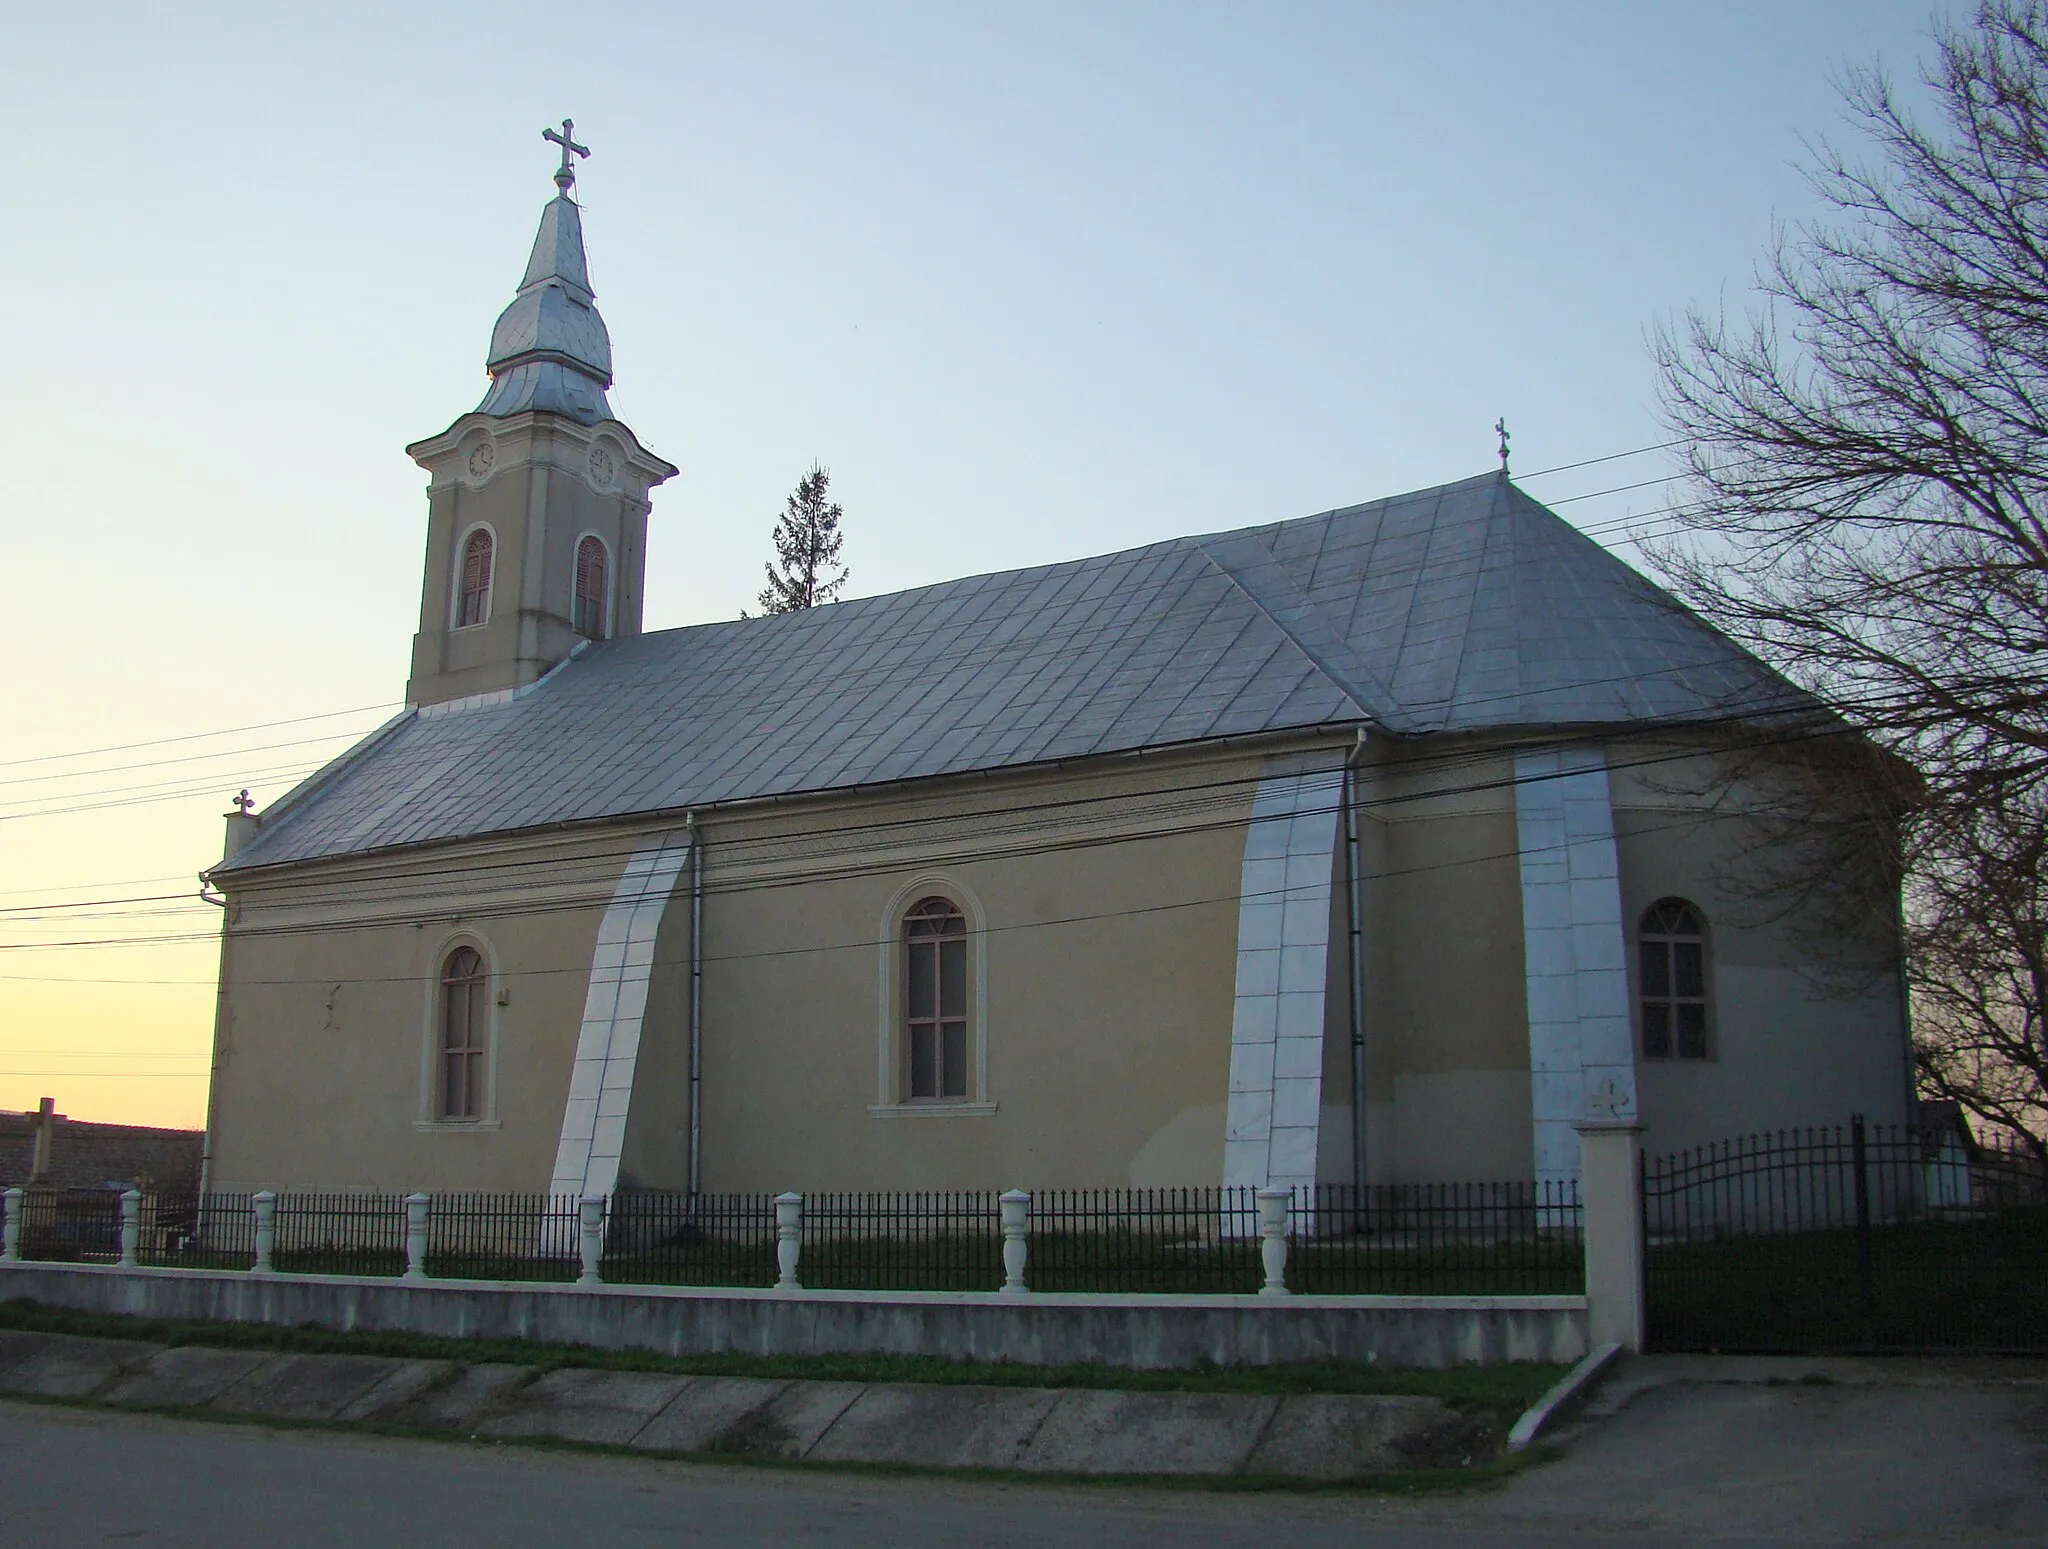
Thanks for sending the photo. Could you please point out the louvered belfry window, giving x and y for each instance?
(1673, 989)
(592, 573)
(464, 1026)
(473, 602)
(935, 981)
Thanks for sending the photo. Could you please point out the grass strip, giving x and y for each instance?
(1503, 1390)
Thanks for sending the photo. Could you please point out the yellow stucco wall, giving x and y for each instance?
(1109, 901)
(1105, 897)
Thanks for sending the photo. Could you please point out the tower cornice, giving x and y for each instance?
(606, 455)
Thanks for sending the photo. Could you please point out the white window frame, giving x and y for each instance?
(429, 1116)
(891, 1057)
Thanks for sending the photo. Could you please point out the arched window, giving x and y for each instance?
(473, 602)
(464, 1028)
(593, 572)
(935, 999)
(1673, 949)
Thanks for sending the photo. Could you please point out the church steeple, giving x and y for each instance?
(538, 500)
(550, 349)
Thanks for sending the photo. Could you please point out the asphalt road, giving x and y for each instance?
(1934, 1460)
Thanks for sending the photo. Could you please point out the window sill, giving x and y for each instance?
(456, 1126)
(941, 1110)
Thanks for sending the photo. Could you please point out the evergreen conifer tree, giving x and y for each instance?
(806, 571)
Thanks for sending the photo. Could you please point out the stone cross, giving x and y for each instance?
(565, 175)
(1609, 1103)
(245, 803)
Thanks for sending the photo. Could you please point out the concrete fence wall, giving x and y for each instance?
(1149, 1331)
(1159, 1332)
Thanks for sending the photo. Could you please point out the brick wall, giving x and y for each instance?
(87, 1156)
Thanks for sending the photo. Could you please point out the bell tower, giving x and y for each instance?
(537, 501)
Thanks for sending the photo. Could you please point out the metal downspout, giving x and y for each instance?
(696, 1003)
(220, 1025)
(1354, 909)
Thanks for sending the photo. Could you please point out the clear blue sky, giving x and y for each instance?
(1035, 280)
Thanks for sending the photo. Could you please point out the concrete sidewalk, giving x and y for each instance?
(1076, 1431)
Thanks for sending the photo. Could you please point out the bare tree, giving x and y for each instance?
(807, 541)
(1869, 458)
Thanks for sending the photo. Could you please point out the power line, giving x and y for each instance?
(1061, 809)
(1380, 573)
(1186, 796)
(871, 944)
(232, 731)
(810, 874)
(1611, 457)
(1044, 655)
(188, 758)
(1053, 812)
(109, 1075)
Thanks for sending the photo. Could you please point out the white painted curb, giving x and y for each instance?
(1573, 1386)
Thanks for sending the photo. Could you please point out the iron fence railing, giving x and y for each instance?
(1499, 1238)
(340, 1234)
(1177, 1240)
(79, 1226)
(1443, 1239)
(654, 1237)
(185, 1230)
(1850, 1237)
(501, 1237)
(941, 1241)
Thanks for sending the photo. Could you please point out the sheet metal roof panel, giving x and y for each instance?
(1468, 606)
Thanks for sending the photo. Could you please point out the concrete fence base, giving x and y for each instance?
(1047, 1329)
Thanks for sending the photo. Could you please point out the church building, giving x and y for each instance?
(1376, 845)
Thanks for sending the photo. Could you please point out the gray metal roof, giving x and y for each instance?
(1465, 607)
(550, 350)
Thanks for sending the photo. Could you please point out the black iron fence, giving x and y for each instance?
(1188, 1241)
(340, 1234)
(1444, 1239)
(175, 1229)
(1423, 1239)
(1861, 1237)
(1407, 1239)
(658, 1238)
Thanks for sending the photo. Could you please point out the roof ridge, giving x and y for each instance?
(1199, 542)
(1269, 585)
(1280, 628)
(319, 780)
(1496, 511)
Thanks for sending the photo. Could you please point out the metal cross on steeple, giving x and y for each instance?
(1500, 428)
(565, 175)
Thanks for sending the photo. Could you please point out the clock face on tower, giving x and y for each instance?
(481, 457)
(601, 467)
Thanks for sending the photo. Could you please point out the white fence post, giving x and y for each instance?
(1610, 1191)
(789, 1237)
(10, 1229)
(416, 1207)
(131, 1225)
(1275, 1207)
(591, 1214)
(1016, 1214)
(265, 1204)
